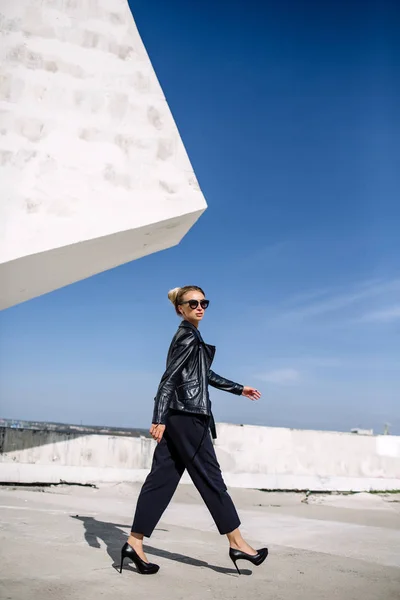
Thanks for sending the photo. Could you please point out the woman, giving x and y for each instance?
(181, 421)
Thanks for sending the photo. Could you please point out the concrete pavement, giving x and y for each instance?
(62, 542)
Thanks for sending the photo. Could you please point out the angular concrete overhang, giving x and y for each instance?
(93, 172)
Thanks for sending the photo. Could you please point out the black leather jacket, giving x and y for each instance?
(184, 385)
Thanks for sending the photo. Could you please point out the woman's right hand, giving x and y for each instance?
(157, 431)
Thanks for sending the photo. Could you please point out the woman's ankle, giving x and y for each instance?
(235, 538)
(135, 538)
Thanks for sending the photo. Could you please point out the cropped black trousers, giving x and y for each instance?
(186, 444)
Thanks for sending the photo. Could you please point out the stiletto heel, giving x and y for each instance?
(237, 568)
(143, 567)
(256, 559)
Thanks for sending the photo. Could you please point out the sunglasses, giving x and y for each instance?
(194, 303)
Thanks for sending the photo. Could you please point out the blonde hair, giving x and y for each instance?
(176, 295)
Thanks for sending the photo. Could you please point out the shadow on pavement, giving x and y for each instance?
(114, 539)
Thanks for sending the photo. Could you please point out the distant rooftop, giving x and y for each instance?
(71, 428)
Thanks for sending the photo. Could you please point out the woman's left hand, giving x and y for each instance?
(251, 393)
(157, 431)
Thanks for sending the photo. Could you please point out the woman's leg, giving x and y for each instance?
(237, 542)
(192, 440)
(156, 493)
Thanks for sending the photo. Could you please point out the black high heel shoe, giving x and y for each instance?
(256, 559)
(143, 567)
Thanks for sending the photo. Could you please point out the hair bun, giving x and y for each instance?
(172, 294)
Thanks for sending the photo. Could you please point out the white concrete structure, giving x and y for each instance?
(250, 457)
(287, 459)
(93, 172)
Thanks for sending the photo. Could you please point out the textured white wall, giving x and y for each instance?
(89, 152)
(252, 457)
(279, 458)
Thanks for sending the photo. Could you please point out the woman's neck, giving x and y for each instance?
(194, 323)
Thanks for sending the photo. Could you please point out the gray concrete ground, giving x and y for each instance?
(62, 542)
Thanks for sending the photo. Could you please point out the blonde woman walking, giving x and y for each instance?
(182, 420)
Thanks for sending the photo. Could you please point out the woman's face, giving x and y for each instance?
(188, 310)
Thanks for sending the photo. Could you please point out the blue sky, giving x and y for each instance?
(290, 113)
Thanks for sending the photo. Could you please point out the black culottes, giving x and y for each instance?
(186, 444)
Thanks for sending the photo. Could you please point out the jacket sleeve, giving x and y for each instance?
(181, 351)
(224, 384)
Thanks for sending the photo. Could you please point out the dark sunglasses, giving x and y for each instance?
(194, 303)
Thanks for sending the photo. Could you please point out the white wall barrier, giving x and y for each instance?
(250, 457)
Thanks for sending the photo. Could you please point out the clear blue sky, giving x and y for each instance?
(290, 113)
